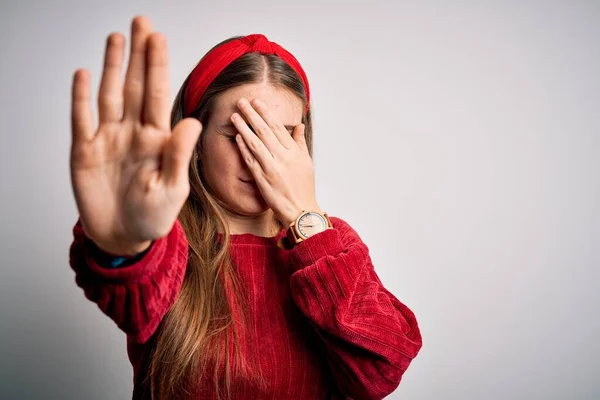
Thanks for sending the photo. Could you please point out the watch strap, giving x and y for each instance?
(292, 235)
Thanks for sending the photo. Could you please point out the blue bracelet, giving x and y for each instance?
(116, 261)
(124, 261)
(110, 261)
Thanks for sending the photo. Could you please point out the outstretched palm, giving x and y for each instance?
(130, 176)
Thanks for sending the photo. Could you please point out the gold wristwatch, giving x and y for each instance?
(306, 225)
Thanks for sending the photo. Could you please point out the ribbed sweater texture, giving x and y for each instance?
(323, 324)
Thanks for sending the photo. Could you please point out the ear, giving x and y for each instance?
(299, 136)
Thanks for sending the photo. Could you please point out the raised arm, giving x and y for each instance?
(136, 296)
(370, 336)
(130, 180)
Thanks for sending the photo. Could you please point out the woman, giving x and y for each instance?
(201, 236)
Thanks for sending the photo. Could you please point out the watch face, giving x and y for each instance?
(311, 223)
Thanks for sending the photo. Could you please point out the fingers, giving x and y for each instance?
(299, 137)
(256, 146)
(273, 124)
(262, 129)
(82, 120)
(157, 91)
(179, 150)
(141, 29)
(249, 158)
(110, 95)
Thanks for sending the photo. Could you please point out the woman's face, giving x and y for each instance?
(224, 168)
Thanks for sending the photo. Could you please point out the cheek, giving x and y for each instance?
(222, 162)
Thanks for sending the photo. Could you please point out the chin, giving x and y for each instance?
(247, 203)
(251, 207)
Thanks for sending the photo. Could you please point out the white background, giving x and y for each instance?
(460, 139)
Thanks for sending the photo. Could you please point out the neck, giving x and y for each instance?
(259, 225)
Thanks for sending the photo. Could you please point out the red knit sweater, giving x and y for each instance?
(324, 325)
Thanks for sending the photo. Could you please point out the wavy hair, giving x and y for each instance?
(199, 330)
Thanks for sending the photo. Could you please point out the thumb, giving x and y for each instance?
(179, 150)
(299, 136)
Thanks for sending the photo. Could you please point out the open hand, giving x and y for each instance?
(280, 163)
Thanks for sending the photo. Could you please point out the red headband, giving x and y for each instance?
(214, 62)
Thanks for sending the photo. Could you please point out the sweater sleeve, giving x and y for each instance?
(108, 260)
(137, 296)
(370, 337)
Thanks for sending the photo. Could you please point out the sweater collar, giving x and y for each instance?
(250, 238)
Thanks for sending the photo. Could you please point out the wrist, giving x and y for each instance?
(308, 223)
(123, 249)
(291, 216)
